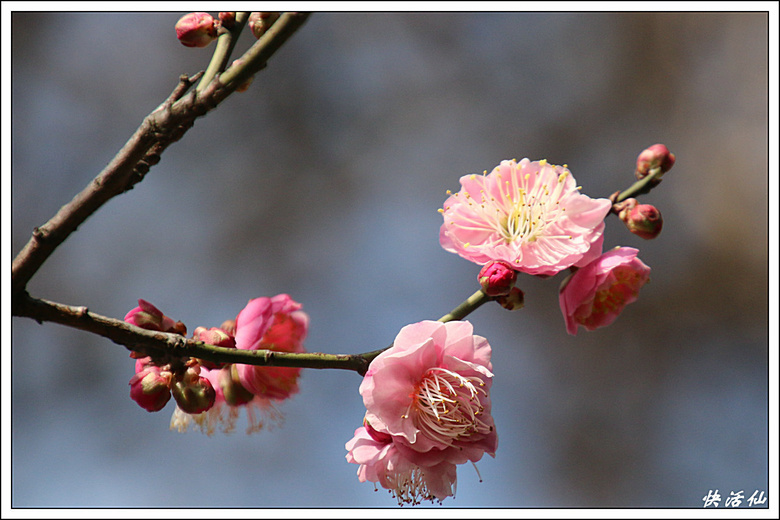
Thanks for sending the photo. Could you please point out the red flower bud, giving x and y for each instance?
(259, 23)
(150, 388)
(655, 157)
(497, 278)
(644, 220)
(227, 19)
(193, 393)
(196, 29)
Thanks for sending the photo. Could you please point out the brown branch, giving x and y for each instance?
(165, 125)
(168, 345)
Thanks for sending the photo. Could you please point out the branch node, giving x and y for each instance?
(39, 233)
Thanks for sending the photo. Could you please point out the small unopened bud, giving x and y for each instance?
(229, 326)
(149, 317)
(234, 392)
(643, 220)
(497, 278)
(150, 388)
(513, 301)
(227, 19)
(196, 29)
(214, 336)
(193, 393)
(653, 158)
(259, 23)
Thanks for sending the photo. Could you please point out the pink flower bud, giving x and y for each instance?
(497, 278)
(150, 388)
(232, 390)
(643, 220)
(259, 23)
(513, 301)
(149, 317)
(193, 393)
(227, 19)
(196, 29)
(652, 158)
(214, 336)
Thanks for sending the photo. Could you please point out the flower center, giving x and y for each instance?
(523, 213)
(519, 210)
(446, 406)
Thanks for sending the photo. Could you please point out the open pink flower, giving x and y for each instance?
(596, 294)
(381, 462)
(529, 214)
(431, 392)
(274, 324)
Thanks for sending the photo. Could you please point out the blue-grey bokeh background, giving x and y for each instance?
(323, 181)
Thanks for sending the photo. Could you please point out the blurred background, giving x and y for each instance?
(323, 181)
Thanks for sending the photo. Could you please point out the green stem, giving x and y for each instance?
(256, 57)
(640, 187)
(225, 45)
(467, 307)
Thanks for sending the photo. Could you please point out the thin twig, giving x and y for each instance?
(165, 125)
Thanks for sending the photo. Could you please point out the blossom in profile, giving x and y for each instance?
(528, 214)
(596, 294)
(275, 324)
(380, 461)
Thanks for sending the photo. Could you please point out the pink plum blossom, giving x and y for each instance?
(381, 462)
(431, 392)
(274, 324)
(596, 294)
(427, 404)
(529, 214)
